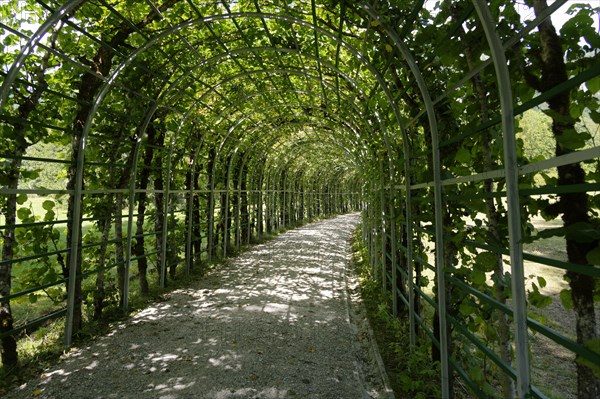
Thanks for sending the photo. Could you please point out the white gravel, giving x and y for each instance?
(280, 321)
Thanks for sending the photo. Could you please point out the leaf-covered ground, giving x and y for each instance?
(276, 322)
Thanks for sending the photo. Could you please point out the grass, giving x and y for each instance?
(43, 346)
(552, 366)
(411, 372)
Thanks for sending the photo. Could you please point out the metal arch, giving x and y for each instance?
(244, 50)
(267, 16)
(276, 161)
(182, 26)
(230, 130)
(512, 197)
(246, 74)
(390, 162)
(338, 135)
(105, 87)
(31, 44)
(276, 138)
(238, 76)
(284, 154)
(437, 197)
(280, 105)
(225, 17)
(336, 116)
(307, 122)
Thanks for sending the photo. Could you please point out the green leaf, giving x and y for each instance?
(593, 85)
(48, 205)
(582, 232)
(21, 199)
(566, 299)
(478, 277)
(30, 174)
(465, 308)
(593, 257)
(33, 298)
(49, 216)
(476, 374)
(486, 261)
(573, 139)
(594, 346)
(463, 155)
(537, 299)
(23, 213)
(541, 281)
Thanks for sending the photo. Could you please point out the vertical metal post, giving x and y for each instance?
(383, 216)
(512, 197)
(226, 216)
(409, 248)
(128, 245)
(211, 213)
(165, 224)
(440, 266)
(190, 216)
(283, 203)
(74, 245)
(439, 230)
(394, 260)
(238, 212)
(259, 205)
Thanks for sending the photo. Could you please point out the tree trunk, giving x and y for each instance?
(574, 206)
(9, 344)
(172, 244)
(100, 293)
(189, 201)
(88, 88)
(210, 208)
(119, 248)
(140, 242)
(12, 170)
(224, 221)
(159, 206)
(244, 214)
(196, 228)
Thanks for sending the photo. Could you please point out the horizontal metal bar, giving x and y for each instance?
(570, 158)
(465, 377)
(564, 341)
(482, 347)
(9, 191)
(48, 160)
(31, 290)
(589, 270)
(32, 257)
(54, 315)
(483, 296)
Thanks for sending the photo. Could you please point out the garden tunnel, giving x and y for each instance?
(146, 138)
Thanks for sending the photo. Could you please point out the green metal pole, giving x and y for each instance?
(519, 299)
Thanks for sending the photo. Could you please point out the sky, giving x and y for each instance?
(561, 16)
(558, 18)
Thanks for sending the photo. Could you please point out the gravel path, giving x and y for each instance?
(280, 321)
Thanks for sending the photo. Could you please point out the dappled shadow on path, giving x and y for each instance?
(272, 323)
